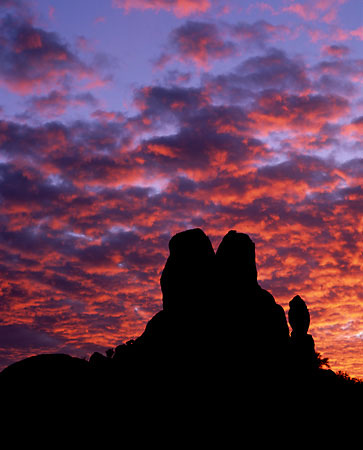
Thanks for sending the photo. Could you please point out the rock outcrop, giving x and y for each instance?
(302, 347)
(218, 332)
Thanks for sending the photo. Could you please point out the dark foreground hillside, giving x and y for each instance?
(220, 342)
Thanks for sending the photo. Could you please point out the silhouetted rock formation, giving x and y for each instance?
(302, 346)
(57, 366)
(188, 294)
(299, 317)
(218, 332)
(253, 323)
(45, 378)
(186, 279)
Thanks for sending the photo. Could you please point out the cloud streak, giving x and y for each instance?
(180, 8)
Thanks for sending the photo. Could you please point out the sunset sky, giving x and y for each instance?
(123, 122)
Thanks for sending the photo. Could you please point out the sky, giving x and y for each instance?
(123, 122)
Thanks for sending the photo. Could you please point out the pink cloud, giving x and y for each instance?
(337, 51)
(34, 59)
(199, 42)
(259, 33)
(56, 103)
(339, 34)
(323, 10)
(316, 34)
(355, 128)
(302, 10)
(100, 19)
(52, 105)
(358, 33)
(262, 6)
(180, 8)
(204, 42)
(51, 12)
(108, 116)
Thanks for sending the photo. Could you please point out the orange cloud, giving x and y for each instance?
(275, 111)
(355, 128)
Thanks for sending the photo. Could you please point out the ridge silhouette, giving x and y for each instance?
(218, 334)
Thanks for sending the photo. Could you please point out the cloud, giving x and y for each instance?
(51, 12)
(199, 42)
(53, 104)
(200, 154)
(262, 6)
(17, 7)
(324, 10)
(32, 59)
(99, 19)
(303, 11)
(354, 128)
(275, 70)
(56, 102)
(180, 8)
(274, 110)
(106, 116)
(21, 336)
(204, 43)
(340, 34)
(358, 33)
(336, 51)
(259, 33)
(344, 73)
(158, 100)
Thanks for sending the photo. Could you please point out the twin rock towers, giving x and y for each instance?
(217, 323)
(218, 331)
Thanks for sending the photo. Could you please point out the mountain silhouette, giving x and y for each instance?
(218, 336)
